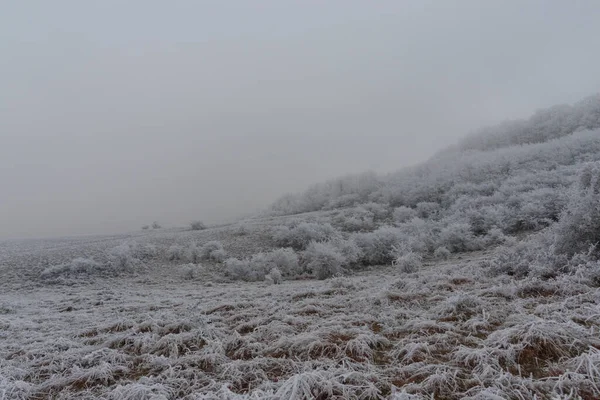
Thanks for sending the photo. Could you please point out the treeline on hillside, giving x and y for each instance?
(472, 179)
(544, 125)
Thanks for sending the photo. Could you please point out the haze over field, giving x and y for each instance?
(115, 114)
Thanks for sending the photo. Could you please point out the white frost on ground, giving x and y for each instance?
(447, 331)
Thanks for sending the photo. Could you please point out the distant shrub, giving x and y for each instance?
(298, 237)
(76, 267)
(213, 251)
(376, 247)
(285, 260)
(274, 276)
(403, 214)
(175, 253)
(242, 229)
(145, 227)
(323, 260)
(349, 250)
(192, 254)
(144, 251)
(197, 225)
(495, 236)
(240, 270)
(355, 220)
(458, 237)
(379, 211)
(156, 225)
(121, 258)
(191, 271)
(218, 255)
(407, 260)
(427, 209)
(260, 265)
(441, 253)
(579, 226)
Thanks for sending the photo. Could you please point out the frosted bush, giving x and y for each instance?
(355, 220)
(579, 226)
(379, 211)
(144, 251)
(441, 253)
(242, 229)
(239, 270)
(427, 209)
(403, 214)
(191, 271)
(495, 236)
(349, 250)
(285, 260)
(407, 260)
(122, 258)
(76, 267)
(192, 254)
(377, 247)
(197, 225)
(210, 251)
(176, 253)
(459, 237)
(323, 260)
(274, 276)
(257, 267)
(218, 255)
(298, 237)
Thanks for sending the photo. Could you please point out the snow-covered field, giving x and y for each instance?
(449, 331)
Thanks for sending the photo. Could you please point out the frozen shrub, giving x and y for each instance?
(298, 237)
(441, 253)
(213, 251)
(377, 247)
(197, 225)
(323, 260)
(419, 235)
(121, 258)
(495, 236)
(259, 266)
(239, 270)
(403, 214)
(175, 253)
(242, 229)
(156, 225)
(379, 211)
(76, 267)
(191, 271)
(284, 260)
(407, 260)
(427, 209)
(579, 224)
(355, 220)
(218, 255)
(144, 251)
(192, 254)
(459, 237)
(274, 276)
(349, 250)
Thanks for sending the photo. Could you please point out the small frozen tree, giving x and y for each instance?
(323, 260)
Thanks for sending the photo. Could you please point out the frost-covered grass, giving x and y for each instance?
(448, 330)
(475, 275)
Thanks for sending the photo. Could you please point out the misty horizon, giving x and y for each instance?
(111, 120)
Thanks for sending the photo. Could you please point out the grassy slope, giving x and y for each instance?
(449, 330)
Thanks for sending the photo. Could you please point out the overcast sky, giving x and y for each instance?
(117, 113)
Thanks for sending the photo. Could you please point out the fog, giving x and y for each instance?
(115, 114)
